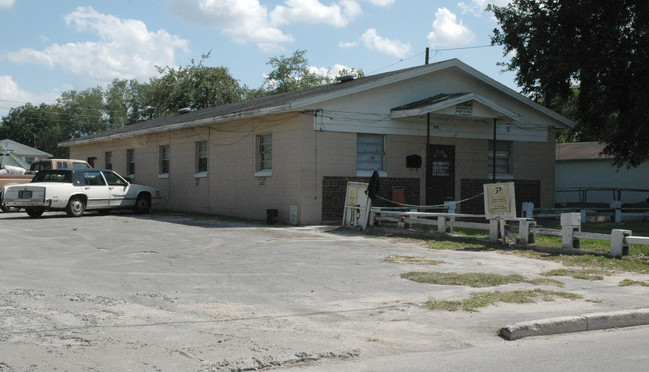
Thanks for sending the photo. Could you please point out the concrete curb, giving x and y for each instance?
(567, 324)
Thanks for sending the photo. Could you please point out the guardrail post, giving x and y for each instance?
(570, 222)
(450, 206)
(441, 225)
(619, 247)
(527, 209)
(494, 232)
(617, 205)
(525, 235)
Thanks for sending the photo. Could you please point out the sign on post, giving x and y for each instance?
(499, 200)
(357, 205)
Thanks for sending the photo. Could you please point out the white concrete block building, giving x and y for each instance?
(434, 131)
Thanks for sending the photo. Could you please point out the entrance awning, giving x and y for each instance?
(460, 105)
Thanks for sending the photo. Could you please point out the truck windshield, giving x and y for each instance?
(40, 165)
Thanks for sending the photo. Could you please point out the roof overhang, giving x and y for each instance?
(461, 105)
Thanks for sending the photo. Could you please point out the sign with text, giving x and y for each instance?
(499, 200)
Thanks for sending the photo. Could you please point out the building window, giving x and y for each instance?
(503, 159)
(108, 160)
(201, 156)
(130, 162)
(164, 159)
(370, 153)
(91, 161)
(265, 152)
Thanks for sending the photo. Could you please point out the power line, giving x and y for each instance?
(436, 51)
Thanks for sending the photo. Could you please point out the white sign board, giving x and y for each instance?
(499, 200)
(357, 204)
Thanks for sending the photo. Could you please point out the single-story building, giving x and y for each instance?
(18, 155)
(585, 175)
(295, 152)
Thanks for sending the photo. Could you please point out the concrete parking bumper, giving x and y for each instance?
(568, 324)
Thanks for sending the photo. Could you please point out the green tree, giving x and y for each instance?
(125, 102)
(600, 45)
(84, 111)
(291, 74)
(41, 127)
(193, 86)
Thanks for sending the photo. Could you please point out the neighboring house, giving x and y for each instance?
(585, 175)
(294, 153)
(19, 155)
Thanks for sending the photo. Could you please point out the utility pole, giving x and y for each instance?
(427, 141)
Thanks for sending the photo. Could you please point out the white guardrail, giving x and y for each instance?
(620, 240)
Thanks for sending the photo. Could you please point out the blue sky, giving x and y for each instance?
(48, 47)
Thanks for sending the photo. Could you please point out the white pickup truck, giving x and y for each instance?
(77, 190)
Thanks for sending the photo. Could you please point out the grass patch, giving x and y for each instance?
(585, 274)
(546, 281)
(629, 282)
(480, 300)
(476, 280)
(474, 240)
(412, 260)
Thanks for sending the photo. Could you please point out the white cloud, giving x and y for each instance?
(372, 40)
(241, 20)
(381, 2)
(313, 11)
(126, 49)
(9, 91)
(329, 72)
(347, 44)
(7, 3)
(447, 31)
(11, 95)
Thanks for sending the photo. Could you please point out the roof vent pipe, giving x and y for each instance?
(344, 78)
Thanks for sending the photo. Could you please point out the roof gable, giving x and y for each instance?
(20, 149)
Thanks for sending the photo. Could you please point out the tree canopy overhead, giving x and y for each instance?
(601, 46)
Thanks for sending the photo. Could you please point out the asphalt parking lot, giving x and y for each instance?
(171, 293)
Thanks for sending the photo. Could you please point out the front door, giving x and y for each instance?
(440, 174)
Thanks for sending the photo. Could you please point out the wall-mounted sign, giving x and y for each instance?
(499, 200)
(464, 109)
(441, 168)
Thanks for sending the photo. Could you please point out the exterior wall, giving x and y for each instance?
(231, 187)
(600, 173)
(536, 161)
(303, 159)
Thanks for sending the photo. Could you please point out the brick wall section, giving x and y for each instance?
(526, 191)
(334, 189)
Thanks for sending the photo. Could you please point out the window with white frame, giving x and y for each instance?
(503, 155)
(164, 159)
(130, 162)
(265, 152)
(201, 156)
(370, 152)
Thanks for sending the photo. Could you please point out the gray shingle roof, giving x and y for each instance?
(242, 108)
